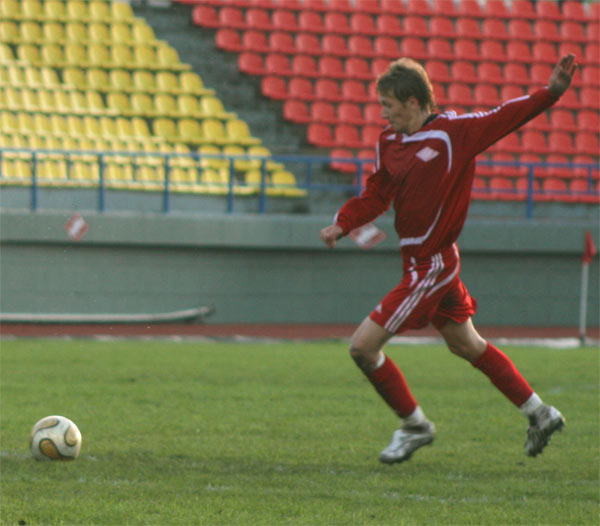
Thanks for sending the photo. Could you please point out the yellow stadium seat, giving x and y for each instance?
(32, 9)
(167, 81)
(118, 103)
(99, 11)
(75, 78)
(42, 124)
(31, 101)
(98, 55)
(140, 128)
(6, 54)
(253, 181)
(143, 33)
(8, 123)
(143, 80)
(52, 55)
(121, 56)
(108, 127)
(191, 83)
(76, 32)
(189, 105)
(76, 100)
(28, 54)
(83, 172)
(284, 183)
(17, 169)
(213, 107)
(10, 9)
(238, 132)
(165, 128)
(3, 75)
(99, 33)
(92, 126)
(215, 181)
(31, 32)
(75, 126)
(13, 98)
(142, 104)
(49, 171)
(144, 56)
(62, 101)
(54, 32)
(121, 33)
(240, 165)
(25, 123)
(167, 57)
(120, 79)
(54, 10)
(16, 76)
(190, 131)
(49, 78)
(165, 105)
(94, 102)
(58, 125)
(9, 31)
(97, 78)
(121, 11)
(77, 10)
(213, 131)
(76, 55)
(262, 151)
(208, 157)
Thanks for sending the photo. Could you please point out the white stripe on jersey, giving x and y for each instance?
(452, 115)
(432, 134)
(412, 300)
(419, 240)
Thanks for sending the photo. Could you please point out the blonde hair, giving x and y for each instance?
(406, 78)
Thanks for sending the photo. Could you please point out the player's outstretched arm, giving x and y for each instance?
(561, 75)
(330, 235)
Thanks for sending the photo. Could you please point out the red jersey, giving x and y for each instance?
(428, 175)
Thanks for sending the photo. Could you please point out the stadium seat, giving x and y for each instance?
(592, 54)
(464, 71)
(238, 132)
(516, 74)
(509, 144)
(229, 40)
(331, 67)
(347, 136)
(438, 71)
(311, 22)
(363, 24)
(361, 46)
(519, 29)
(460, 94)
(379, 66)
(544, 52)
(572, 32)
(588, 120)
(493, 51)
(561, 142)
(501, 188)
(372, 112)
(304, 65)
(324, 112)
(278, 64)
(554, 189)
(469, 9)
(337, 162)
(274, 88)
(509, 92)
(590, 98)
(416, 26)
(280, 42)
(466, 49)
(414, 48)
(534, 141)
(563, 120)
(300, 88)
(393, 7)
(548, 10)
(350, 113)
(336, 23)
(418, 8)
(334, 45)
(490, 72)
(354, 91)
(574, 10)
(251, 63)
(587, 143)
(440, 49)
(518, 51)
(386, 47)
(494, 29)
(231, 18)
(522, 9)
(205, 16)
(319, 134)
(389, 25)
(547, 30)
(442, 26)
(308, 44)
(255, 41)
(370, 135)
(258, 19)
(327, 90)
(284, 20)
(357, 68)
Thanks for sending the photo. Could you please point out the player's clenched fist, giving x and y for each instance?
(331, 234)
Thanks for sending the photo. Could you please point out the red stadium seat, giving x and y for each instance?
(510, 92)
(386, 47)
(277, 64)
(274, 88)
(301, 89)
(574, 10)
(569, 99)
(469, 9)
(280, 42)
(544, 52)
(393, 7)
(583, 191)
(554, 189)
(205, 16)
(534, 141)
(311, 22)
(592, 54)
(594, 13)
(304, 66)
(413, 48)
(547, 30)
(556, 171)
(369, 135)
(328, 90)
(361, 46)
(341, 166)
(516, 74)
(347, 136)
(509, 144)
(540, 74)
(350, 113)
(416, 26)
(494, 29)
(493, 51)
(440, 26)
(440, 49)
(522, 9)
(343, 6)
(584, 171)
(389, 25)
(561, 142)
(520, 30)
(588, 120)
(490, 72)
(468, 28)
(316, 5)
(319, 134)
(496, 9)
(503, 156)
(308, 44)
(331, 67)
(593, 32)
(563, 120)
(296, 111)
(501, 188)
(438, 71)
(251, 63)
(548, 10)
(357, 68)
(336, 23)
(418, 8)
(362, 24)
(232, 18)
(466, 49)
(589, 98)
(518, 51)
(258, 19)
(284, 20)
(540, 123)
(334, 45)
(354, 91)
(572, 32)
(587, 143)
(229, 40)
(464, 71)
(460, 94)
(321, 111)
(368, 155)
(439, 94)
(373, 114)
(255, 41)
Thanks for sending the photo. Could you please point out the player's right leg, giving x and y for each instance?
(389, 382)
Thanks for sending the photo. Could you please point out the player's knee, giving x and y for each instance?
(467, 349)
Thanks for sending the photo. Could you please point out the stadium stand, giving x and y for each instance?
(478, 54)
(89, 75)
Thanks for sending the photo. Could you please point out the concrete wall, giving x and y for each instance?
(272, 268)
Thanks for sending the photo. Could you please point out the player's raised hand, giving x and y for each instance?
(330, 235)
(562, 74)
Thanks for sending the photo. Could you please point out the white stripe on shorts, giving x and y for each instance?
(412, 300)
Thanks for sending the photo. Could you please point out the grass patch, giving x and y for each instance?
(273, 434)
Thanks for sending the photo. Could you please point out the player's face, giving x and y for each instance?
(400, 115)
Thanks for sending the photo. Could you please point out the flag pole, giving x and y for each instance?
(585, 269)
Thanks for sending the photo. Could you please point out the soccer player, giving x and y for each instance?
(425, 166)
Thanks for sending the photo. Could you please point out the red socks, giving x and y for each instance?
(389, 382)
(504, 375)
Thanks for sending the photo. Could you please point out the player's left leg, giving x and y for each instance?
(463, 340)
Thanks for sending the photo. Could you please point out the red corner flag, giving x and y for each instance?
(590, 249)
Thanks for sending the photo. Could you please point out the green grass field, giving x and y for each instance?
(270, 434)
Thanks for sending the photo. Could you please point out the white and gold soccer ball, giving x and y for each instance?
(55, 438)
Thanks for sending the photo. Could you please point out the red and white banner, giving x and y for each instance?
(367, 235)
(76, 227)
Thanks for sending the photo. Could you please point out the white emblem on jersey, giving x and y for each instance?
(378, 308)
(427, 154)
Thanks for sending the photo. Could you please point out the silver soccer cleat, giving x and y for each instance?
(545, 421)
(406, 441)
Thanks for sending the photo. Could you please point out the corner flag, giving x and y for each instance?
(589, 251)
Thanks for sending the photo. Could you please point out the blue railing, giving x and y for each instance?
(304, 173)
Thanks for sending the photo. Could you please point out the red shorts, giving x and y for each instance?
(431, 291)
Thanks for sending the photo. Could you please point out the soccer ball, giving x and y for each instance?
(55, 438)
